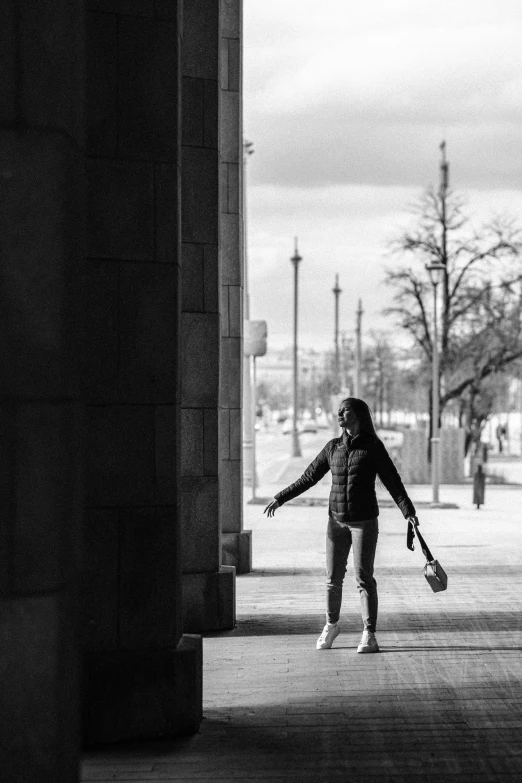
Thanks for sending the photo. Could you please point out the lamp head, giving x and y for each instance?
(296, 257)
(436, 271)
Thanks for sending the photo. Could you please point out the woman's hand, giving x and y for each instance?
(270, 509)
(414, 521)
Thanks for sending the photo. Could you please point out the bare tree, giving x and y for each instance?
(480, 315)
(381, 372)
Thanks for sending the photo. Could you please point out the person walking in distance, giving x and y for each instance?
(355, 459)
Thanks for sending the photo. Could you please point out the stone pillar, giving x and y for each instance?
(41, 88)
(208, 587)
(237, 547)
(142, 677)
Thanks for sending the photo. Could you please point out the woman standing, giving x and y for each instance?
(355, 459)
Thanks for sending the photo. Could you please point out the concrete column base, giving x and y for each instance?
(237, 550)
(209, 600)
(143, 694)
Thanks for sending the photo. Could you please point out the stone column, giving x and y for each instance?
(142, 676)
(237, 546)
(208, 586)
(41, 88)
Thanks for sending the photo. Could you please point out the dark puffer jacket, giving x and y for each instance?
(355, 463)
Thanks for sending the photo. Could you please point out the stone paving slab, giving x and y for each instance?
(442, 701)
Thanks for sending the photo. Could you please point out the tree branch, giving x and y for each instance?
(492, 366)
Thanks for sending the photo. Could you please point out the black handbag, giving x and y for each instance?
(433, 571)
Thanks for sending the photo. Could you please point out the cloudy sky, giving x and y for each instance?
(346, 103)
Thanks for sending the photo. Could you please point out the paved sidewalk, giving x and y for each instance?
(442, 701)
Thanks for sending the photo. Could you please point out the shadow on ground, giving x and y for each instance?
(417, 733)
(459, 623)
(483, 570)
(283, 572)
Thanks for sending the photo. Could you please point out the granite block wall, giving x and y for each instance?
(207, 586)
(41, 142)
(120, 343)
(236, 543)
(132, 608)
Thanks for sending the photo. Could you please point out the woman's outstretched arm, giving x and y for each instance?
(314, 473)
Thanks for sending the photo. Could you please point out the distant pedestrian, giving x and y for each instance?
(501, 433)
(355, 459)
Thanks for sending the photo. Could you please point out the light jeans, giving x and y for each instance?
(339, 540)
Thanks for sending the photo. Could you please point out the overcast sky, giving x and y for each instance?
(346, 103)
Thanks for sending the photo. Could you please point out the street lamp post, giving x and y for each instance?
(436, 271)
(296, 448)
(337, 292)
(358, 350)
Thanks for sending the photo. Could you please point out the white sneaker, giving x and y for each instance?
(327, 637)
(368, 643)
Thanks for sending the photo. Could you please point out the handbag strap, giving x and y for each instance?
(414, 531)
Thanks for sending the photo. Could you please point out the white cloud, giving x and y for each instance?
(432, 72)
(346, 104)
(364, 93)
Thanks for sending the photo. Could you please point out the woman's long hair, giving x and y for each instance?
(363, 413)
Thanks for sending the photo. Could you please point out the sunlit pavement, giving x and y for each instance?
(441, 701)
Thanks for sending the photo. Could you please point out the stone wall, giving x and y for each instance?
(452, 456)
(136, 657)
(414, 467)
(208, 586)
(236, 542)
(41, 140)
(121, 353)
(413, 458)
